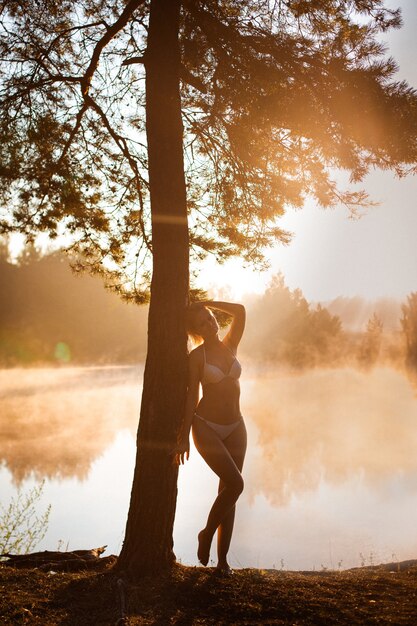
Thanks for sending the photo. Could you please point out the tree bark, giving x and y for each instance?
(148, 543)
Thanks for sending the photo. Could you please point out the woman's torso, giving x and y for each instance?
(221, 388)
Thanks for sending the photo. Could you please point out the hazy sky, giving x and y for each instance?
(333, 255)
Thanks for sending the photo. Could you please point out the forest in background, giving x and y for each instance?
(50, 315)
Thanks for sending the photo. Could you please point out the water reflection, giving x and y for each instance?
(324, 425)
(330, 426)
(333, 482)
(331, 464)
(56, 422)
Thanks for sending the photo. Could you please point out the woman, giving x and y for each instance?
(218, 428)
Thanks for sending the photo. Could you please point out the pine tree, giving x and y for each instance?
(409, 328)
(124, 123)
(371, 343)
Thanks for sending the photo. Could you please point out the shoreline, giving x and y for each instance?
(188, 596)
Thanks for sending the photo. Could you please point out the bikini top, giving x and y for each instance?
(213, 374)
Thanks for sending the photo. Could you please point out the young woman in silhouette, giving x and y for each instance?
(217, 425)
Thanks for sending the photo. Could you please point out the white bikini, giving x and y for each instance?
(211, 376)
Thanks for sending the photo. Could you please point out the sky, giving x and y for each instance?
(331, 254)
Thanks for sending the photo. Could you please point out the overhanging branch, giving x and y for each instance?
(185, 75)
(124, 148)
(111, 32)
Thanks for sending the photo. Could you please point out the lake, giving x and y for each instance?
(330, 476)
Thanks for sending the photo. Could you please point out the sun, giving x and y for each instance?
(232, 280)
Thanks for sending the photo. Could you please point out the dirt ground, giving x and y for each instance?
(195, 596)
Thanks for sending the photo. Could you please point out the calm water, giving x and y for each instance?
(331, 472)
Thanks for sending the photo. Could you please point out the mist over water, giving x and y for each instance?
(330, 425)
(330, 471)
(55, 422)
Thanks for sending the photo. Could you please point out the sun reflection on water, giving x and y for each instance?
(330, 471)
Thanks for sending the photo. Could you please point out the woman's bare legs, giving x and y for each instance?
(226, 459)
(236, 444)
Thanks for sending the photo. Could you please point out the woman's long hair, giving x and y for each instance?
(191, 314)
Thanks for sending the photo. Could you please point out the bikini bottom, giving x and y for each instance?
(222, 430)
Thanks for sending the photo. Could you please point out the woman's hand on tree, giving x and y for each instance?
(181, 451)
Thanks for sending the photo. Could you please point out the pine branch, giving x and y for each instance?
(124, 148)
(185, 74)
(112, 31)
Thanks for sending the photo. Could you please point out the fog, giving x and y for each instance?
(318, 425)
(56, 422)
(331, 425)
(354, 313)
(67, 319)
(331, 460)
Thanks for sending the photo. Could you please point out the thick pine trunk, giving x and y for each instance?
(148, 544)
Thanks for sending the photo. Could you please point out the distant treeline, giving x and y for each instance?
(50, 315)
(285, 328)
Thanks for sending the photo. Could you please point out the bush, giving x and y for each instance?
(21, 528)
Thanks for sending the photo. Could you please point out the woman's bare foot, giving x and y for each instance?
(203, 551)
(223, 569)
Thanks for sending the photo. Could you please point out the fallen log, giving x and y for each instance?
(47, 560)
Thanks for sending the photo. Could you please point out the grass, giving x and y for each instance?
(194, 596)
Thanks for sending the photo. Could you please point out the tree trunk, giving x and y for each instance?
(148, 543)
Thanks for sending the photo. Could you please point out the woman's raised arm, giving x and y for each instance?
(238, 313)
